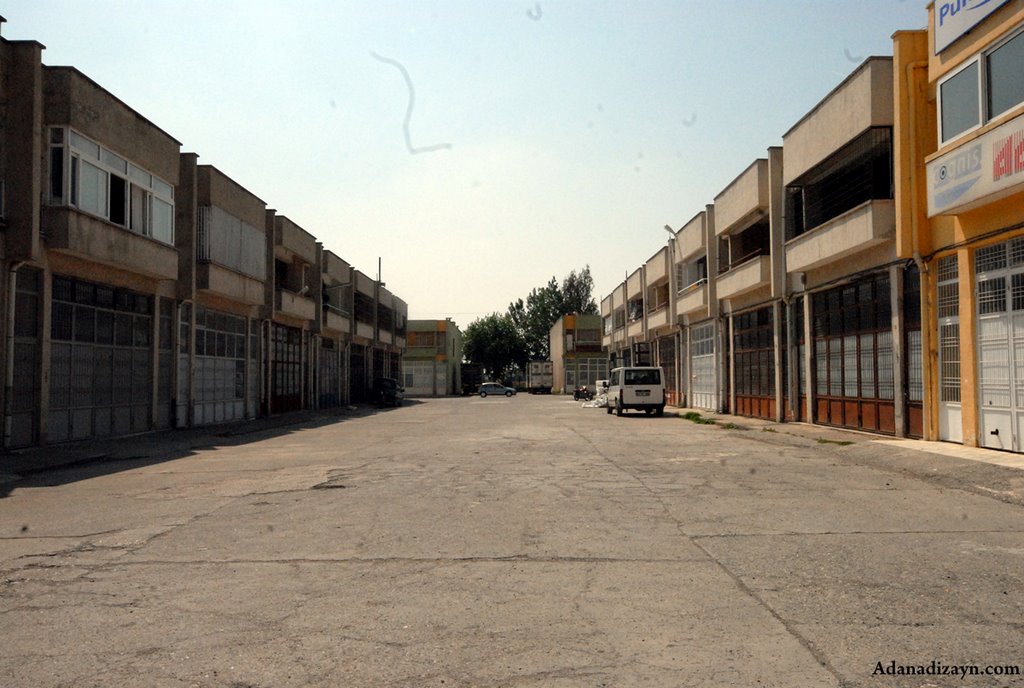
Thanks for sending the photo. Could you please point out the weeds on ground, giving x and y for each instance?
(768, 430)
(731, 426)
(697, 418)
(841, 443)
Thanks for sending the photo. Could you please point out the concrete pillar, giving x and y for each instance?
(793, 361)
(731, 362)
(898, 349)
(777, 354)
(808, 362)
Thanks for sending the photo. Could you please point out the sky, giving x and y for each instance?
(477, 148)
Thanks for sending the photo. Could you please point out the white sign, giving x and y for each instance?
(954, 18)
(989, 164)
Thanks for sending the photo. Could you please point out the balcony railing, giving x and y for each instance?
(763, 251)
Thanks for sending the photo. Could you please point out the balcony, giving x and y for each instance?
(856, 230)
(658, 317)
(744, 201)
(70, 231)
(692, 238)
(294, 305)
(693, 298)
(337, 321)
(364, 330)
(656, 268)
(862, 101)
(295, 240)
(222, 281)
(745, 277)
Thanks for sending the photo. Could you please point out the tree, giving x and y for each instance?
(578, 293)
(545, 305)
(496, 344)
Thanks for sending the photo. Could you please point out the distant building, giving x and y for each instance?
(576, 354)
(433, 359)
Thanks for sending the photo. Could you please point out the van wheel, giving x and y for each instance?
(660, 411)
(618, 410)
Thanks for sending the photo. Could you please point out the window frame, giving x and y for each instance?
(981, 60)
(76, 149)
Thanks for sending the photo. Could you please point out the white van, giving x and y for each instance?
(641, 388)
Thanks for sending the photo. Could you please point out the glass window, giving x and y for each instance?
(163, 221)
(1005, 72)
(958, 98)
(93, 195)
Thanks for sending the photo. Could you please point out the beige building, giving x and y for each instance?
(433, 359)
(577, 357)
(142, 290)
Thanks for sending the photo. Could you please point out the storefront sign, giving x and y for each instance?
(992, 163)
(954, 18)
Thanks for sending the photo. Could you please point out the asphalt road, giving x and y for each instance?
(512, 542)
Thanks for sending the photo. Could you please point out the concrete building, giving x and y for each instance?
(962, 215)
(90, 257)
(433, 359)
(222, 296)
(846, 283)
(693, 248)
(335, 332)
(577, 357)
(141, 290)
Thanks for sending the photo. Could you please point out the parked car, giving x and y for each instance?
(495, 389)
(387, 392)
(641, 388)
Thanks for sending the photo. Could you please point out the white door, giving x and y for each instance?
(950, 411)
(703, 368)
(1000, 306)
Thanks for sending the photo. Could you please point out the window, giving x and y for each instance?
(960, 104)
(100, 182)
(858, 172)
(1004, 76)
(986, 87)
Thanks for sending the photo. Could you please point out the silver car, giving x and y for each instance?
(494, 389)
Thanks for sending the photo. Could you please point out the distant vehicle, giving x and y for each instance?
(640, 388)
(387, 392)
(583, 392)
(472, 376)
(540, 377)
(495, 389)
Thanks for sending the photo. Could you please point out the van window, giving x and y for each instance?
(643, 377)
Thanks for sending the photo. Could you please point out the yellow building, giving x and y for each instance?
(960, 166)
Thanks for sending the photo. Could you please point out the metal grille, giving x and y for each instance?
(102, 380)
(948, 268)
(949, 362)
(915, 371)
(867, 366)
(949, 300)
(1017, 291)
(992, 296)
(990, 258)
(702, 366)
(1016, 251)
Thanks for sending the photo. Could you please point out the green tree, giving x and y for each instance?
(578, 293)
(496, 344)
(545, 305)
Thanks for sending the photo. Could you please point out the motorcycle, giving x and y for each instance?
(582, 393)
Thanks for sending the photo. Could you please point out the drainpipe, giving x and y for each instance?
(12, 285)
(928, 410)
(922, 267)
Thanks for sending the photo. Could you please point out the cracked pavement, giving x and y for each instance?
(511, 542)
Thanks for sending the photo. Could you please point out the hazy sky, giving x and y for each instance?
(544, 136)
